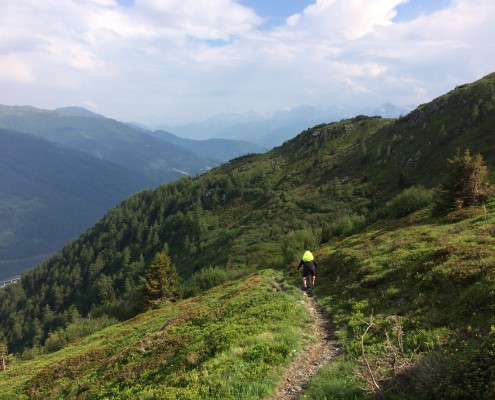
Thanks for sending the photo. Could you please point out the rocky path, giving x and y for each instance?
(305, 366)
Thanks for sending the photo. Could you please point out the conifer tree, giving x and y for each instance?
(466, 184)
(161, 281)
(5, 357)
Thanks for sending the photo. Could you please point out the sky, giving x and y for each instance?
(178, 61)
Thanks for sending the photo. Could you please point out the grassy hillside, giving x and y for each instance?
(229, 343)
(49, 194)
(254, 211)
(429, 283)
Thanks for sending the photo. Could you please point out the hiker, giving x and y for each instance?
(309, 267)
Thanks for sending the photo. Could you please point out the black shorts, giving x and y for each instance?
(308, 271)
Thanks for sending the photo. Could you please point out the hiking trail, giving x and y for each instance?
(308, 363)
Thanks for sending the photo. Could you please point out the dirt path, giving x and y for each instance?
(305, 366)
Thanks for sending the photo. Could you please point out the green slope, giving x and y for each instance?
(254, 210)
(229, 343)
(413, 274)
(430, 285)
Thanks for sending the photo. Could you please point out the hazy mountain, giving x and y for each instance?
(49, 194)
(270, 130)
(217, 150)
(208, 128)
(78, 112)
(106, 139)
(389, 110)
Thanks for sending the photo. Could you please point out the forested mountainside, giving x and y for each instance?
(49, 194)
(360, 189)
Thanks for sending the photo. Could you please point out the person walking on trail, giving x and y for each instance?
(309, 267)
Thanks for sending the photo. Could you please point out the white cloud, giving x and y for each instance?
(349, 19)
(213, 19)
(13, 68)
(90, 105)
(189, 59)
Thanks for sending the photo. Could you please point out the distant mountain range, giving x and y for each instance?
(272, 129)
(212, 149)
(106, 139)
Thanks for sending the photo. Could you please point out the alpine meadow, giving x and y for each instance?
(191, 290)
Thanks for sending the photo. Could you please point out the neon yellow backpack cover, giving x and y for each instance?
(307, 256)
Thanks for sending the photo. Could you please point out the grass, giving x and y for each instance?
(336, 381)
(231, 342)
(427, 288)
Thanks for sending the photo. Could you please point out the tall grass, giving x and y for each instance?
(425, 287)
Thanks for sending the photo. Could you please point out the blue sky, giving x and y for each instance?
(276, 11)
(416, 8)
(178, 61)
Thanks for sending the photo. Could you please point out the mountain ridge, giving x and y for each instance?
(105, 138)
(272, 129)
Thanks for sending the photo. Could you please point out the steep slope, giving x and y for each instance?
(252, 211)
(420, 142)
(422, 292)
(49, 194)
(227, 344)
(106, 139)
(257, 210)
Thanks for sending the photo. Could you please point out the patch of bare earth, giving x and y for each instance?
(316, 355)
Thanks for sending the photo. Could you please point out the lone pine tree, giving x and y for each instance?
(161, 281)
(5, 357)
(467, 182)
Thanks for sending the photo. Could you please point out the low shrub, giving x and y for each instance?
(345, 225)
(409, 201)
(205, 279)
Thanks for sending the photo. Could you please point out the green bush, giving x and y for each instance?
(470, 370)
(205, 279)
(296, 242)
(409, 201)
(345, 225)
(79, 328)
